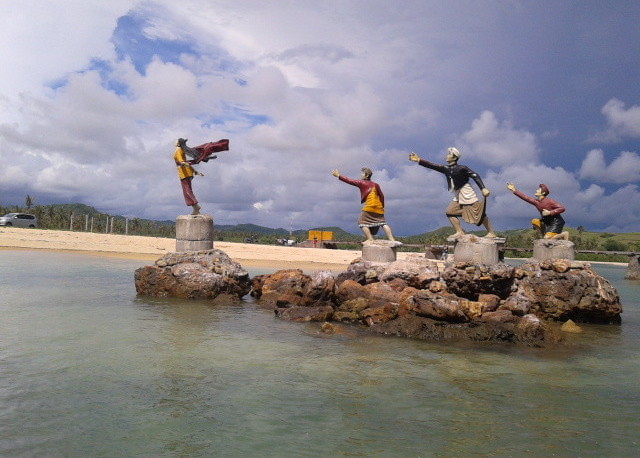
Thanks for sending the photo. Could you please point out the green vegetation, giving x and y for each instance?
(80, 217)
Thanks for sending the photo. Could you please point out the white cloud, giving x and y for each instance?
(299, 89)
(498, 143)
(623, 169)
(43, 42)
(623, 122)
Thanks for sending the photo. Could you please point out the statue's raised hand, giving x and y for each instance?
(414, 157)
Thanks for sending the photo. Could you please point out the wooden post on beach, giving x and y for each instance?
(111, 231)
(92, 224)
(86, 222)
(126, 226)
(106, 226)
(71, 222)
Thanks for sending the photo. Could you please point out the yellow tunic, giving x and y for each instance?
(373, 203)
(184, 171)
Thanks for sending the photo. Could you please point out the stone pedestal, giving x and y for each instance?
(477, 250)
(194, 232)
(633, 268)
(544, 249)
(381, 251)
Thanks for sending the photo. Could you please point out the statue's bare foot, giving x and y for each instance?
(490, 235)
(457, 234)
(196, 209)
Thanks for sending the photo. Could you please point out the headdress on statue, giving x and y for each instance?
(454, 151)
(544, 189)
(367, 173)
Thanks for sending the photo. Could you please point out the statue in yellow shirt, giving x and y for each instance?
(372, 216)
(186, 172)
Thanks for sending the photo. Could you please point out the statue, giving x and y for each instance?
(550, 223)
(465, 203)
(186, 171)
(372, 198)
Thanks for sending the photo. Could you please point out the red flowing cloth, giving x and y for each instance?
(207, 149)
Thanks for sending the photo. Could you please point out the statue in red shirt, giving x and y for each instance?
(550, 223)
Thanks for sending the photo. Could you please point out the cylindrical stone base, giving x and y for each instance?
(379, 251)
(194, 232)
(476, 253)
(633, 268)
(544, 249)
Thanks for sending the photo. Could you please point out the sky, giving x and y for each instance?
(93, 95)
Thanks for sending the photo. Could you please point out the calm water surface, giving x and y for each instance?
(89, 369)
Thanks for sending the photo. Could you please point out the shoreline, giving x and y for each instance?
(151, 248)
(145, 248)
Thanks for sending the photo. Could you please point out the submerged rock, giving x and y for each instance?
(194, 275)
(460, 302)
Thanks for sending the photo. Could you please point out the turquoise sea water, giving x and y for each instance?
(89, 369)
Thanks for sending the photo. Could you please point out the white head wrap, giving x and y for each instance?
(454, 152)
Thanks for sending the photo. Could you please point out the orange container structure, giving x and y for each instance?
(320, 236)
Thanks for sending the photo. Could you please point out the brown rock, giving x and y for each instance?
(490, 302)
(501, 316)
(438, 307)
(530, 328)
(518, 304)
(472, 309)
(578, 294)
(354, 305)
(305, 314)
(381, 293)
(349, 289)
(339, 315)
(194, 275)
(570, 326)
(320, 288)
(380, 314)
(416, 272)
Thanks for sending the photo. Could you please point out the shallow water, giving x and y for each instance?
(89, 369)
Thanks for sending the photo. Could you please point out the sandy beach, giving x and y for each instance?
(151, 248)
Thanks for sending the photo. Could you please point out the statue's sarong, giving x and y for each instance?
(472, 213)
(371, 220)
(187, 191)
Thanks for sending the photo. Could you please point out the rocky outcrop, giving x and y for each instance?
(633, 268)
(195, 275)
(418, 299)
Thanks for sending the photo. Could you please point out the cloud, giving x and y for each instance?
(623, 169)
(498, 143)
(97, 94)
(623, 122)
